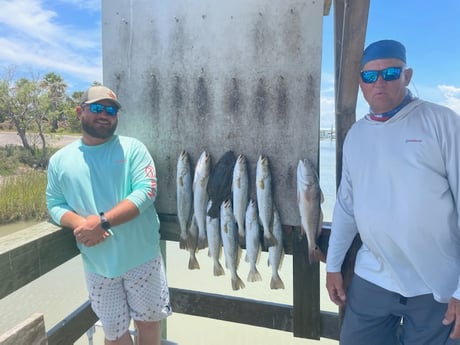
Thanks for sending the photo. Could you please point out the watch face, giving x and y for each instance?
(105, 225)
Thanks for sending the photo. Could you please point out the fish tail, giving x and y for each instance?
(193, 262)
(276, 282)
(254, 275)
(237, 283)
(218, 269)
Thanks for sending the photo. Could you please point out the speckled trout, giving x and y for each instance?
(276, 253)
(192, 248)
(240, 192)
(265, 198)
(184, 196)
(229, 235)
(252, 241)
(214, 242)
(200, 196)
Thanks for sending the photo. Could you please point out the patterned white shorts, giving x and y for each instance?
(140, 294)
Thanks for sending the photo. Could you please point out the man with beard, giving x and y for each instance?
(103, 187)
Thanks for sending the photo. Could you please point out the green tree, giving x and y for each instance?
(31, 105)
(54, 89)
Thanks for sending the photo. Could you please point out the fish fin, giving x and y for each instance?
(276, 283)
(237, 283)
(254, 276)
(218, 269)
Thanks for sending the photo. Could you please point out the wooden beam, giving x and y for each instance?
(30, 253)
(69, 330)
(246, 311)
(30, 331)
(233, 309)
(219, 307)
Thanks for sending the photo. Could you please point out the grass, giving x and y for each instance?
(22, 197)
(22, 188)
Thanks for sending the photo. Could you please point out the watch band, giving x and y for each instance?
(105, 223)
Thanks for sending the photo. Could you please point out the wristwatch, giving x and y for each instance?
(104, 222)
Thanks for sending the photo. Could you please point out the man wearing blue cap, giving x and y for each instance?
(400, 191)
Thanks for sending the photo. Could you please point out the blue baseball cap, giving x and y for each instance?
(384, 49)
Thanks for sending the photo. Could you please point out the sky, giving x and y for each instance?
(64, 36)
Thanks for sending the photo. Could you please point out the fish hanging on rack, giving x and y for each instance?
(309, 199)
(214, 243)
(184, 196)
(192, 247)
(276, 253)
(200, 196)
(265, 199)
(232, 250)
(240, 192)
(252, 241)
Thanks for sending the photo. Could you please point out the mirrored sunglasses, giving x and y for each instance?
(97, 108)
(388, 74)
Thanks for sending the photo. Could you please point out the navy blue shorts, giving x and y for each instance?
(377, 316)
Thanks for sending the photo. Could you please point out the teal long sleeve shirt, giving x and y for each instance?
(88, 180)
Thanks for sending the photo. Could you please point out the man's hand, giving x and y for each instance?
(453, 315)
(90, 232)
(334, 285)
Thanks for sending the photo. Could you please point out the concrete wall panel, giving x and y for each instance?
(218, 75)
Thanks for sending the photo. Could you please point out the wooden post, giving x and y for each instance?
(306, 304)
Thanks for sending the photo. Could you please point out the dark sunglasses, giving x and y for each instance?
(388, 74)
(97, 108)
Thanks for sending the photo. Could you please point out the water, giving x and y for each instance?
(62, 290)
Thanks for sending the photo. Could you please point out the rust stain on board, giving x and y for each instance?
(282, 100)
(234, 98)
(261, 101)
(201, 100)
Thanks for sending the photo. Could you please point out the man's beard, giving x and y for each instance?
(100, 132)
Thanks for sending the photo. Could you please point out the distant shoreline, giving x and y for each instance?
(53, 140)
